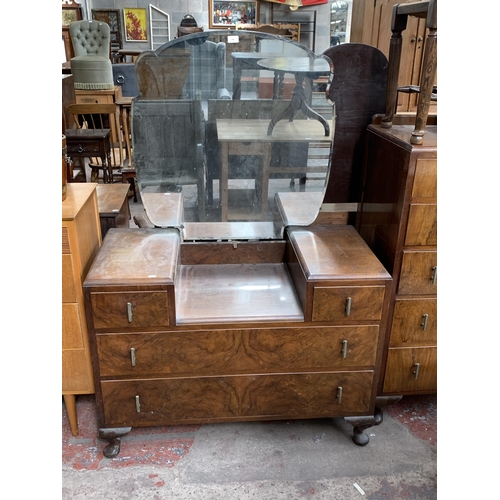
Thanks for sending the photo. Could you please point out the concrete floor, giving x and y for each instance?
(282, 460)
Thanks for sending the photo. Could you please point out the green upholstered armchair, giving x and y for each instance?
(91, 66)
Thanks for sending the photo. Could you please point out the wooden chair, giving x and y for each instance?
(92, 120)
(167, 140)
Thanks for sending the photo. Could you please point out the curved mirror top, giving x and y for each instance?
(232, 134)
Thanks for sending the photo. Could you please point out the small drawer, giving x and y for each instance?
(425, 181)
(411, 370)
(130, 310)
(418, 273)
(414, 322)
(335, 303)
(206, 352)
(195, 400)
(422, 225)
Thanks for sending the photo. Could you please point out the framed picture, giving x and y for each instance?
(229, 14)
(113, 19)
(136, 25)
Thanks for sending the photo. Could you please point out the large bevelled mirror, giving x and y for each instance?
(232, 134)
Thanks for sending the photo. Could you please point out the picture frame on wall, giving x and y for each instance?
(71, 12)
(136, 24)
(229, 14)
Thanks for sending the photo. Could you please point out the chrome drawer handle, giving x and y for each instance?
(417, 368)
(132, 356)
(339, 394)
(344, 349)
(424, 324)
(434, 275)
(348, 306)
(137, 404)
(129, 312)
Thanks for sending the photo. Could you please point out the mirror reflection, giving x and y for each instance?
(232, 134)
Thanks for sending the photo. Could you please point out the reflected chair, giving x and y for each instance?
(91, 66)
(168, 146)
(91, 124)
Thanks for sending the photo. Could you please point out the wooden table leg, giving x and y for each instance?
(70, 403)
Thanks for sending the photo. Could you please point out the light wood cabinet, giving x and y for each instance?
(398, 219)
(371, 24)
(81, 239)
(183, 333)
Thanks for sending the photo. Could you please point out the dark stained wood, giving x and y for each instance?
(398, 219)
(232, 253)
(358, 91)
(114, 210)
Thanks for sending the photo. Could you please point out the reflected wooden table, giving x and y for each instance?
(302, 68)
(250, 137)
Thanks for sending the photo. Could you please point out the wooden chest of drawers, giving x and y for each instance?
(178, 341)
(81, 239)
(398, 219)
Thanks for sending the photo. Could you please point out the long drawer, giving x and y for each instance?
(189, 400)
(207, 352)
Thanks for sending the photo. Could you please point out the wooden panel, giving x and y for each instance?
(76, 372)
(330, 303)
(148, 309)
(425, 181)
(422, 225)
(69, 292)
(72, 337)
(408, 319)
(400, 375)
(237, 351)
(417, 270)
(302, 395)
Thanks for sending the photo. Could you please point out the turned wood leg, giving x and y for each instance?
(70, 403)
(113, 436)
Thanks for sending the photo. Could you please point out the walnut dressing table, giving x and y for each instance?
(214, 332)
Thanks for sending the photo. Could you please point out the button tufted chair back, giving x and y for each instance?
(90, 38)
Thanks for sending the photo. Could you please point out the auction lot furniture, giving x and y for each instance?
(210, 332)
(81, 239)
(398, 219)
(114, 210)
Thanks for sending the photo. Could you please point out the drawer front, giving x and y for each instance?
(425, 181)
(414, 322)
(401, 373)
(69, 290)
(237, 351)
(418, 273)
(129, 310)
(76, 372)
(363, 303)
(72, 333)
(231, 398)
(422, 225)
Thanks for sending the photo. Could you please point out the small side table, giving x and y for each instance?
(89, 143)
(112, 202)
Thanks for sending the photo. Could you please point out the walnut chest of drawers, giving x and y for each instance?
(186, 333)
(81, 239)
(398, 219)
